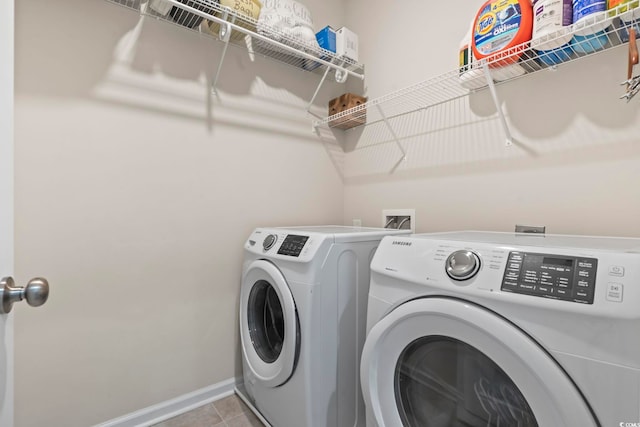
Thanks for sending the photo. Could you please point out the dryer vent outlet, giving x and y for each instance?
(399, 219)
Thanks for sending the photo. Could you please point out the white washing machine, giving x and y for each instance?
(502, 329)
(303, 306)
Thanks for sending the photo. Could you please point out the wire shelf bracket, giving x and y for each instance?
(340, 77)
(509, 139)
(315, 94)
(224, 35)
(395, 138)
(496, 101)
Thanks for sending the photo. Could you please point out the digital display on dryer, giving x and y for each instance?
(552, 276)
(292, 245)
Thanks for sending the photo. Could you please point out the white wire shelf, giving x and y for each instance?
(603, 31)
(209, 18)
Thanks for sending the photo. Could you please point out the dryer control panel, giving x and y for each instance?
(276, 243)
(292, 245)
(552, 276)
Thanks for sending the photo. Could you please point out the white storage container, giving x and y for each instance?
(347, 43)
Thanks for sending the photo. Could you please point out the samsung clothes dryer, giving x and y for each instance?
(303, 304)
(502, 329)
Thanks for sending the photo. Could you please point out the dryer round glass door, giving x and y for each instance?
(440, 361)
(265, 321)
(269, 328)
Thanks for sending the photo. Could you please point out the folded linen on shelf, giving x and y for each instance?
(248, 12)
(288, 22)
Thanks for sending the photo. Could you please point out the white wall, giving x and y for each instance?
(135, 191)
(577, 174)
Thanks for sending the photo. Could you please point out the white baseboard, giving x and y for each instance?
(242, 394)
(171, 408)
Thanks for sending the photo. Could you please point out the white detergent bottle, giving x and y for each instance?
(551, 20)
(551, 38)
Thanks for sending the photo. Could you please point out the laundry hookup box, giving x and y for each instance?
(347, 43)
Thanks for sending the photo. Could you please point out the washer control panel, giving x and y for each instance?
(292, 245)
(552, 276)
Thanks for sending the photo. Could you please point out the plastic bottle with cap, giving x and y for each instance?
(499, 27)
(551, 37)
(589, 22)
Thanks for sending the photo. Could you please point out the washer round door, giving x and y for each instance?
(268, 324)
(445, 362)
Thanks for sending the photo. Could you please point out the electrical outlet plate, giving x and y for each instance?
(406, 217)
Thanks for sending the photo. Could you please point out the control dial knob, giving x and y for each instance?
(269, 241)
(462, 265)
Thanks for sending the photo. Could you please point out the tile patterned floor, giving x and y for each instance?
(227, 412)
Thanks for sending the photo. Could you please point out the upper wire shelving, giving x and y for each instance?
(219, 22)
(598, 33)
